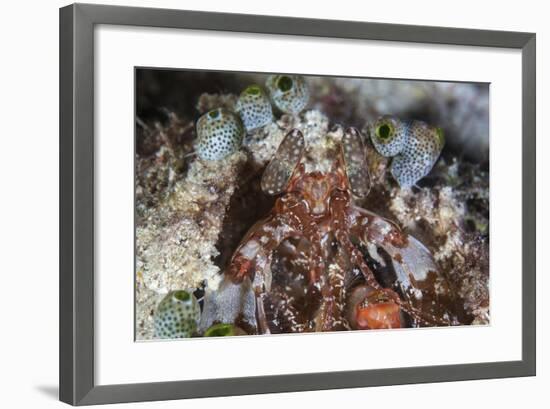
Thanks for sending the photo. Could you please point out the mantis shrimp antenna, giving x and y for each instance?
(278, 172)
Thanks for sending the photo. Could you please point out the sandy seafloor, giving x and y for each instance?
(191, 214)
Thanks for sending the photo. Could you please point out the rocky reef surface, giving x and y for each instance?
(191, 214)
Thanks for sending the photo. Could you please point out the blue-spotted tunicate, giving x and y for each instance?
(177, 315)
(220, 133)
(289, 93)
(254, 108)
(414, 145)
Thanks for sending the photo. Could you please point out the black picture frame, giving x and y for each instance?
(77, 385)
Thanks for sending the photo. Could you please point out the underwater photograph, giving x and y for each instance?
(281, 203)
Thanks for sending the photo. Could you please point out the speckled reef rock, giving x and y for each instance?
(176, 244)
(191, 213)
(444, 217)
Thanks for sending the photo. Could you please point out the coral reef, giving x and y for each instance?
(442, 219)
(177, 231)
(176, 241)
(192, 213)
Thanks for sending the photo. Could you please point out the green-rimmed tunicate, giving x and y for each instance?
(416, 160)
(177, 315)
(414, 146)
(220, 132)
(388, 135)
(254, 108)
(223, 330)
(289, 93)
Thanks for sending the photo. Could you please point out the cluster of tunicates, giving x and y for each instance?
(220, 131)
(178, 316)
(414, 147)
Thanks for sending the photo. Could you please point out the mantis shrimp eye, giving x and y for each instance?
(223, 330)
(177, 315)
(220, 132)
(355, 161)
(289, 93)
(388, 135)
(278, 172)
(254, 108)
(423, 147)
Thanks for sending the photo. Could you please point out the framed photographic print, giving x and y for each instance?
(255, 204)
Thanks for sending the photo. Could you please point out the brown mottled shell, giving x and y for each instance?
(278, 172)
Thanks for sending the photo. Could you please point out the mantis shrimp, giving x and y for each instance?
(334, 238)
